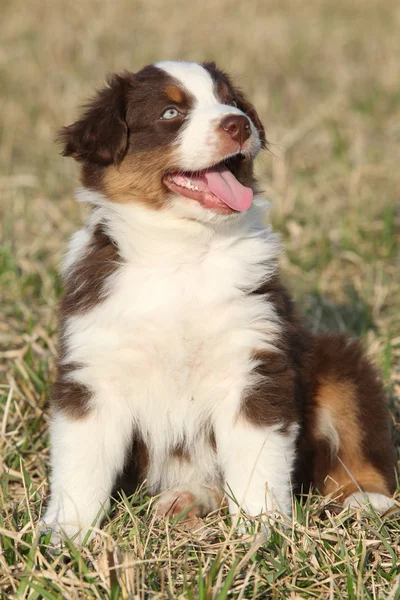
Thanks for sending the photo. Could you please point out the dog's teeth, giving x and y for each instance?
(189, 185)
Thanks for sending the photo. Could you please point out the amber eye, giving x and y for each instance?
(170, 113)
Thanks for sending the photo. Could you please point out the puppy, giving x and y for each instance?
(182, 359)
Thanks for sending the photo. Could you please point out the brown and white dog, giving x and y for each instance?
(182, 358)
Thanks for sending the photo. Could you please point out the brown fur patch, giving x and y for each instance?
(136, 467)
(85, 287)
(69, 396)
(279, 395)
(175, 94)
(100, 136)
(339, 400)
(271, 400)
(345, 407)
(139, 178)
(329, 373)
(339, 483)
(85, 284)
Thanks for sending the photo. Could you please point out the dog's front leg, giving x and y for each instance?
(87, 454)
(257, 462)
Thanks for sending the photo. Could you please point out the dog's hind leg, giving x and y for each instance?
(354, 457)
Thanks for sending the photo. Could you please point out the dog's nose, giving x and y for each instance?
(238, 127)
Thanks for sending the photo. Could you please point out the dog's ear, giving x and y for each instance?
(249, 110)
(101, 134)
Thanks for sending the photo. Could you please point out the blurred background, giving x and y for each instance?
(325, 78)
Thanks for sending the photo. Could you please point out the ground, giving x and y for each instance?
(325, 76)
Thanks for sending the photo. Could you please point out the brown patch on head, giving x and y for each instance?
(121, 140)
(175, 94)
(139, 178)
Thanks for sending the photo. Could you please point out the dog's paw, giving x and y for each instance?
(189, 503)
(247, 525)
(56, 532)
(181, 504)
(364, 500)
(51, 536)
(247, 528)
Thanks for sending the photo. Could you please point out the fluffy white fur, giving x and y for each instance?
(168, 353)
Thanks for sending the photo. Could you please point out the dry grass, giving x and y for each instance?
(325, 77)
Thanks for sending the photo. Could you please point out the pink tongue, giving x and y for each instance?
(223, 184)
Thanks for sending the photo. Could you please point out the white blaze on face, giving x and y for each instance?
(200, 140)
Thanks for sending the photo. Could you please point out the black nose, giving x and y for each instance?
(238, 127)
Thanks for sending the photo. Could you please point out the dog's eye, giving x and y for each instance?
(170, 113)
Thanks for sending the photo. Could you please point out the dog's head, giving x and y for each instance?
(174, 135)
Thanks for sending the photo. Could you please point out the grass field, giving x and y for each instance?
(325, 76)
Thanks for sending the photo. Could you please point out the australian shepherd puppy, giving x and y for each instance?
(182, 359)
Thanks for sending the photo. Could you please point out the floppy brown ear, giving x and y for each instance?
(249, 109)
(101, 134)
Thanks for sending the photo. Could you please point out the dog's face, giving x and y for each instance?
(175, 136)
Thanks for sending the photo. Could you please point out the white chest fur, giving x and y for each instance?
(172, 342)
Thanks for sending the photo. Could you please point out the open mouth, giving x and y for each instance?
(216, 187)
